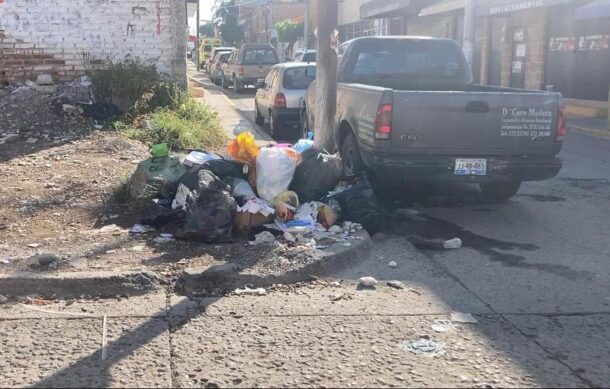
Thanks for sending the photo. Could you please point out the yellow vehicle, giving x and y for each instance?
(205, 49)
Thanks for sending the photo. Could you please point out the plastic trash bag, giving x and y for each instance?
(241, 190)
(209, 211)
(303, 145)
(274, 171)
(159, 213)
(243, 148)
(316, 175)
(156, 177)
(359, 203)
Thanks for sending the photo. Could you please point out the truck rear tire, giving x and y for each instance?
(500, 192)
(350, 155)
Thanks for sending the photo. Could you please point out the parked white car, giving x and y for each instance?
(280, 98)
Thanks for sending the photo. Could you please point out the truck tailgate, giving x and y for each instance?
(473, 123)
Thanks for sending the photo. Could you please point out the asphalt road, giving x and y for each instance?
(540, 261)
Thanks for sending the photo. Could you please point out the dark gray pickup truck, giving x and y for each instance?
(407, 110)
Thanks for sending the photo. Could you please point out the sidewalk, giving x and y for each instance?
(595, 126)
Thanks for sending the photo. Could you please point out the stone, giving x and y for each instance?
(392, 264)
(367, 282)
(40, 261)
(44, 79)
(396, 284)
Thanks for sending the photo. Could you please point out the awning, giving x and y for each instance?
(594, 10)
(380, 8)
(497, 7)
(442, 7)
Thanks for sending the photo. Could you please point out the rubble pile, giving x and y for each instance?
(291, 197)
(47, 112)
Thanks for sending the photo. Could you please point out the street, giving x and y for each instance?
(525, 302)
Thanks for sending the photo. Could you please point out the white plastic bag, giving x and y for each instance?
(274, 171)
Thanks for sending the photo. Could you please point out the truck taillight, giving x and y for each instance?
(280, 100)
(560, 132)
(240, 70)
(383, 121)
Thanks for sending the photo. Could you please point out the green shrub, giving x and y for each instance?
(125, 81)
(189, 126)
(161, 95)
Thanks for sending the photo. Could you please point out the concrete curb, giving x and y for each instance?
(592, 131)
(229, 276)
(100, 284)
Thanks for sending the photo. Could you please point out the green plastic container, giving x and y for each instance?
(160, 150)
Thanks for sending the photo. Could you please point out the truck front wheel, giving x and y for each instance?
(350, 155)
(500, 192)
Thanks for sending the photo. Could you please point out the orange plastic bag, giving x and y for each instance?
(243, 148)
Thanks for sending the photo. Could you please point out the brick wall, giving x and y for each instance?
(65, 38)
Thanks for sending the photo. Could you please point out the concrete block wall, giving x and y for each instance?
(65, 38)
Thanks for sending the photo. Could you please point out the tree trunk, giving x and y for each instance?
(326, 78)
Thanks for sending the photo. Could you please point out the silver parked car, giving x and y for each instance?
(280, 98)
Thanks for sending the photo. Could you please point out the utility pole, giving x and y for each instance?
(326, 77)
(306, 29)
(197, 38)
(468, 43)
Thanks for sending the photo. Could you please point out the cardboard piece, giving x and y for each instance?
(247, 220)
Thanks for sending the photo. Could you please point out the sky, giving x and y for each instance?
(205, 13)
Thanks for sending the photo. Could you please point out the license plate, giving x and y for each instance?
(260, 80)
(470, 167)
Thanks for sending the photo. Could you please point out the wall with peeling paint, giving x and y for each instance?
(65, 38)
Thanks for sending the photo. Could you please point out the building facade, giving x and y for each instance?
(65, 38)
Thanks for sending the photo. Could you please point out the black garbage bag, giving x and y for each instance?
(220, 167)
(159, 213)
(156, 178)
(315, 175)
(209, 210)
(359, 203)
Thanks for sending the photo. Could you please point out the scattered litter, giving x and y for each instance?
(34, 245)
(5, 261)
(110, 251)
(395, 284)
(241, 189)
(198, 158)
(392, 264)
(423, 346)
(163, 238)
(181, 196)
(141, 229)
(111, 228)
(461, 317)
(442, 325)
(337, 296)
(289, 237)
(274, 171)
(255, 206)
(264, 237)
(31, 140)
(367, 281)
(346, 244)
(250, 292)
(138, 248)
(335, 229)
(43, 261)
(454, 243)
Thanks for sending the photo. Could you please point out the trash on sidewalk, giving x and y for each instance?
(250, 292)
(367, 282)
(286, 204)
(264, 237)
(316, 175)
(392, 264)
(43, 261)
(461, 317)
(454, 243)
(5, 261)
(395, 284)
(182, 194)
(243, 148)
(160, 150)
(241, 189)
(158, 212)
(110, 228)
(197, 157)
(156, 178)
(359, 203)
(303, 145)
(164, 238)
(141, 229)
(274, 171)
(423, 346)
(440, 325)
(326, 215)
(209, 211)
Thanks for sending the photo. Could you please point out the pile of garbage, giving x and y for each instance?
(290, 191)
